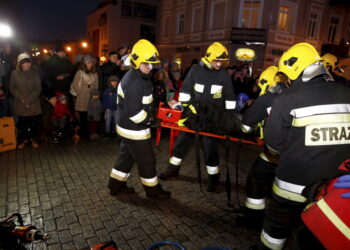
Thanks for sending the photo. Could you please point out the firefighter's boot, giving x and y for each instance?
(157, 192)
(252, 219)
(213, 182)
(171, 171)
(119, 187)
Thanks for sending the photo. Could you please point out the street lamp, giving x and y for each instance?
(68, 48)
(84, 44)
(5, 31)
(45, 51)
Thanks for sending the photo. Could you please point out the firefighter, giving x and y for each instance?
(330, 61)
(210, 83)
(308, 126)
(260, 177)
(135, 115)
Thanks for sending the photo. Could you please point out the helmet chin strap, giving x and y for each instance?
(314, 70)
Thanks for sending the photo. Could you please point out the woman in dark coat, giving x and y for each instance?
(25, 86)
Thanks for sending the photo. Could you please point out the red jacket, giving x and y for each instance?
(61, 111)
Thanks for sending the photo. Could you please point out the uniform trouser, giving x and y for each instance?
(139, 152)
(259, 183)
(211, 153)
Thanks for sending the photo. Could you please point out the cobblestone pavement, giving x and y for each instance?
(61, 189)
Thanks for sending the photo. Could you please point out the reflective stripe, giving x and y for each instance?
(272, 243)
(183, 97)
(199, 87)
(151, 182)
(120, 176)
(246, 128)
(333, 217)
(255, 204)
(147, 99)
(215, 89)
(120, 90)
(134, 134)
(175, 161)
(213, 170)
(295, 188)
(268, 110)
(139, 117)
(320, 109)
(230, 104)
(319, 119)
(287, 194)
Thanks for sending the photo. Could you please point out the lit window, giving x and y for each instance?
(251, 9)
(284, 19)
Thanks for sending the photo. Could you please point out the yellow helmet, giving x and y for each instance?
(297, 58)
(143, 52)
(216, 51)
(329, 60)
(267, 79)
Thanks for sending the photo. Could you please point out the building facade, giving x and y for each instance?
(269, 27)
(121, 22)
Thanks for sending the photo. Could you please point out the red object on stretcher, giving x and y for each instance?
(170, 118)
(329, 217)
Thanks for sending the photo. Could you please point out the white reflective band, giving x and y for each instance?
(147, 99)
(175, 161)
(183, 97)
(230, 104)
(268, 110)
(199, 87)
(289, 186)
(121, 176)
(256, 201)
(215, 89)
(272, 243)
(321, 109)
(120, 90)
(255, 204)
(150, 182)
(334, 218)
(246, 129)
(139, 117)
(134, 134)
(321, 119)
(212, 170)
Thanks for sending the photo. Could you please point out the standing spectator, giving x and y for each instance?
(58, 70)
(111, 68)
(94, 113)
(60, 116)
(109, 103)
(177, 83)
(25, 86)
(84, 81)
(159, 89)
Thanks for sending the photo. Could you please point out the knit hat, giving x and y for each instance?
(94, 92)
(23, 56)
(113, 79)
(88, 59)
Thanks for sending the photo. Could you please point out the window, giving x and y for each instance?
(218, 15)
(196, 22)
(251, 13)
(332, 32)
(311, 30)
(284, 19)
(166, 28)
(181, 24)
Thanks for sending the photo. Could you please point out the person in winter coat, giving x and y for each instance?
(94, 113)
(58, 70)
(60, 115)
(25, 87)
(111, 68)
(84, 81)
(109, 104)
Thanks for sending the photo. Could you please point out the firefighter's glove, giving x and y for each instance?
(188, 111)
(343, 182)
(155, 122)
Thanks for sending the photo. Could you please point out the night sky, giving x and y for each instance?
(55, 19)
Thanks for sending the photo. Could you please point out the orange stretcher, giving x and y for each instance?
(169, 120)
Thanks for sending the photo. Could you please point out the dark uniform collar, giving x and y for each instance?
(142, 75)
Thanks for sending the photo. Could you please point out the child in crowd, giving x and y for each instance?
(94, 113)
(109, 103)
(60, 115)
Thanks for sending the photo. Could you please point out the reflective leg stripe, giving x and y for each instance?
(151, 182)
(120, 176)
(255, 204)
(263, 156)
(268, 158)
(272, 243)
(134, 134)
(333, 217)
(175, 161)
(246, 128)
(288, 190)
(213, 170)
